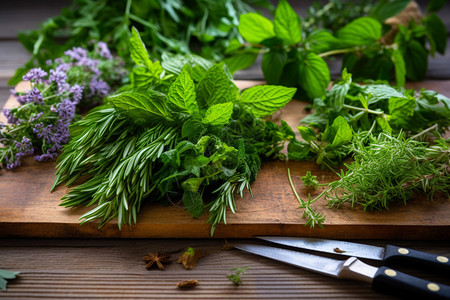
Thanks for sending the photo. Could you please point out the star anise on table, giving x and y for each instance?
(159, 259)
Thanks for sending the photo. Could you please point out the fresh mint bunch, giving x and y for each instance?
(294, 56)
(179, 132)
(40, 125)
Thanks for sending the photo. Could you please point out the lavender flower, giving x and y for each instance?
(99, 87)
(25, 148)
(77, 93)
(11, 119)
(12, 165)
(76, 53)
(35, 96)
(37, 75)
(66, 110)
(45, 157)
(38, 115)
(104, 51)
(44, 132)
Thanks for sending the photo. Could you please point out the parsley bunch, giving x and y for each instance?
(294, 56)
(180, 131)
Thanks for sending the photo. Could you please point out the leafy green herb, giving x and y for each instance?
(310, 181)
(4, 275)
(371, 50)
(189, 136)
(236, 278)
(392, 168)
(313, 218)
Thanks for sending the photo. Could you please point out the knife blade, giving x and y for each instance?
(382, 279)
(388, 255)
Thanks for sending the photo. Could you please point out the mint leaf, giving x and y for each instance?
(384, 124)
(320, 41)
(437, 33)
(380, 92)
(435, 5)
(198, 66)
(314, 75)
(272, 65)
(143, 77)
(288, 133)
(182, 94)
(337, 95)
(138, 51)
(192, 130)
(361, 31)
(216, 87)
(383, 10)
(401, 107)
(416, 61)
(339, 133)
(287, 24)
(264, 100)
(194, 203)
(241, 61)
(143, 106)
(219, 114)
(307, 133)
(255, 28)
(299, 150)
(400, 69)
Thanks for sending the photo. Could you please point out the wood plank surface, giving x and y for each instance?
(113, 269)
(30, 210)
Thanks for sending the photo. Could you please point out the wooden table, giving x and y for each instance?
(113, 268)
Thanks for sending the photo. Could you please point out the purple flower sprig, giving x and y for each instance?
(73, 83)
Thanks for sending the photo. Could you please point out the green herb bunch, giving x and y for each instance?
(182, 133)
(392, 168)
(201, 26)
(73, 83)
(293, 56)
(377, 107)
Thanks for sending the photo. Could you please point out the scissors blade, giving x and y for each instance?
(322, 265)
(329, 246)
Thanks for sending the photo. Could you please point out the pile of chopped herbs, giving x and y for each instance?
(73, 83)
(180, 131)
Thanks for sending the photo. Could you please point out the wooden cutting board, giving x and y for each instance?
(28, 209)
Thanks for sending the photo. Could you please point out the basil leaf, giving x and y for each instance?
(218, 114)
(182, 93)
(287, 24)
(314, 75)
(264, 100)
(143, 106)
(272, 65)
(216, 87)
(437, 32)
(255, 28)
(337, 95)
(361, 31)
(241, 61)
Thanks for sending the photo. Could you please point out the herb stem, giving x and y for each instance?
(142, 21)
(434, 127)
(337, 51)
(300, 201)
(363, 109)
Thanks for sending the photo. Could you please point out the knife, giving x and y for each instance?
(389, 255)
(383, 279)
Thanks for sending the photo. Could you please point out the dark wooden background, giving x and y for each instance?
(113, 268)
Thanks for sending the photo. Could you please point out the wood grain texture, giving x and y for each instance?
(30, 210)
(113, 269)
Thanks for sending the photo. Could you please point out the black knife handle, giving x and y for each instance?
(396, 283)
(397, 255)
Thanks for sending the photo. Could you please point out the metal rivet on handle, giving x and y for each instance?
(433, 287)
(390, 272)
(442, 259)
(403, 251)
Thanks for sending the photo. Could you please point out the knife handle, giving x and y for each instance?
(394, 255)
(396, 283)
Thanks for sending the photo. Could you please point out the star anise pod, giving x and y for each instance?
(160, 259)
